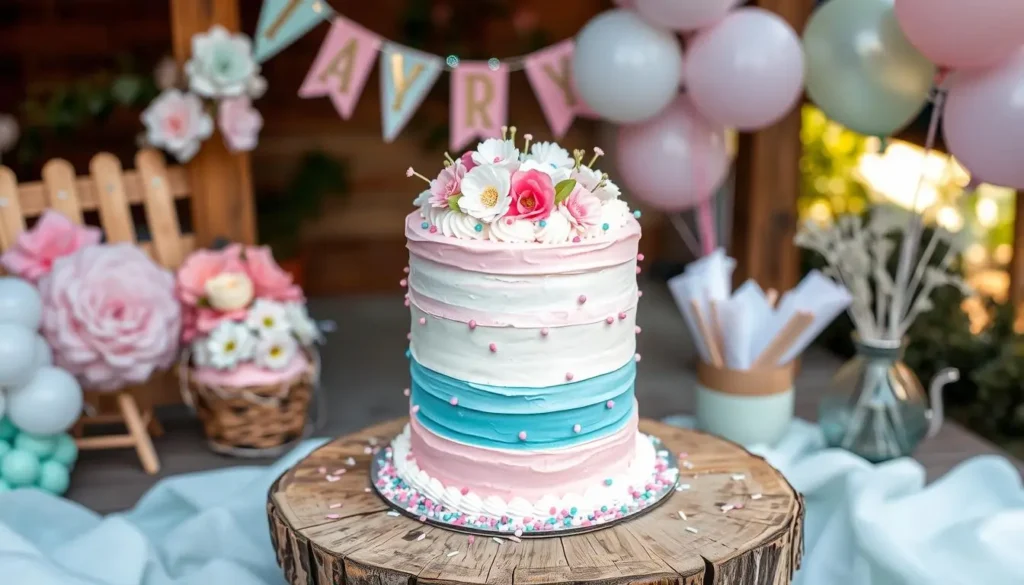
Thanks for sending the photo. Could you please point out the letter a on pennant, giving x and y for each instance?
(479, 102)
(342, 66)
(406, 76)
(550, 73)
(282, 22)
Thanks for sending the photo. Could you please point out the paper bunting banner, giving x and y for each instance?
(282, 22)
(342, 66)
(550, 73)
(479, 102)
(406, 75)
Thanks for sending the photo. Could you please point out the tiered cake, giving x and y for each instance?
(522, 290)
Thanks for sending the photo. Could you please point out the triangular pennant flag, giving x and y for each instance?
(282, 22)
(550, 73)
(479, 102)
(406, 75)
(342, 66)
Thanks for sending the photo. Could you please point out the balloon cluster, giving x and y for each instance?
(743, 68)
(38, 402)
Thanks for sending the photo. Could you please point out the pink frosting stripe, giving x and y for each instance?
(533, 258)
(591, 313)
(526, 474)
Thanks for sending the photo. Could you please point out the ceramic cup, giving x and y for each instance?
(749, 407)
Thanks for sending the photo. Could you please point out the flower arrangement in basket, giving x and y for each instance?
(250, 368)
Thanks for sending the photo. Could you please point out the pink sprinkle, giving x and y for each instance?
(423, 320)
(404, 282)
(638, 270)
(636, 357)
(406, 302)
(576, 240)
(406, 270)
(415, 408)
(684, 455)
(640, 257)
(454, 401)
(638, 330)
(423, 518)
(332, 516)
(553, 510)
(472, 324)
(639, 293)
(405, 392)
(518, 532)
(609, 320)
(610, 404)
(321, 470)
(565, 513)
(585, 523)
(527, 519)
(471, 539)
(464, 491)
(409, 334)
(433, 230)
(576, 428)
(522, 435)
(622, 315)
(508, 222)
(582, 299)
(493, 347)
(569, 376)
(544, 331)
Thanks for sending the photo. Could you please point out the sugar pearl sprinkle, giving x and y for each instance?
(610, 320)
(544, 332)
(622, 316)
(405, 392)
(420, 505)
(493, 347)
(569, 376)
(454, 401)
(423, 320)
(472, 324)
(610, 404)
(582, 299)
(576, 428)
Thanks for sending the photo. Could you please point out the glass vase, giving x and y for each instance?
(877, 408)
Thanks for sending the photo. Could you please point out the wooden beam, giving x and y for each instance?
(767, 185)
(1016, 295)
(222, 197)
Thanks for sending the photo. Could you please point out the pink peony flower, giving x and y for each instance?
(467, 160)
(268, 279)
(533, 195)
(240, 123)
(584, 207)
(54, 236)
(448, 183)
(110, 315)
(202, 265)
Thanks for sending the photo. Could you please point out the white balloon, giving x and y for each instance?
(44, 355)
(47, 405)
(624, 69)
(17, 355)
(20, 303)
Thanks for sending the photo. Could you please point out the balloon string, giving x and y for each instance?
(706, 226)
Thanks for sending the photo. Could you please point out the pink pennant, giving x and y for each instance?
(342, 65)
(550, 73)
(479, 102)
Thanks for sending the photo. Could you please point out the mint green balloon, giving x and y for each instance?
(54, 478)
(4, 486)
(5, 448)
(65, 451)
(7, 429)
(41, 447)
(861, 70)
(19, 468)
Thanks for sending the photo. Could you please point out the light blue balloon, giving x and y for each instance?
(40, 446)
(20, 303)
(7, 429)
(48, 405)
(44, 355)
(19, 468)
(66, 451)
(17, 354)
(54, 478)
(4, 486)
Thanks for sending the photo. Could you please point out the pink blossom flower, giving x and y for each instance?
(240, 123)
(110, 315)
(54, 236)
(269, 280)
(533, 195)
(176, 122)
(447, 183)
(467, 160)
(201, 266)
(584, 207)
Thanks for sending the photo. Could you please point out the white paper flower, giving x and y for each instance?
(495, 151)
(222, 65)
(229, 344)
(557, 174)
(266, 317)
(276, 351)
(485, 192)
(302, 326)
(589, 178)
(176, 122)
(550, 154)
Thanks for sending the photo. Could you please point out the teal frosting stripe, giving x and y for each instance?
(494, 416)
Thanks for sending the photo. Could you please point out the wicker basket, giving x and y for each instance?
(254, 421)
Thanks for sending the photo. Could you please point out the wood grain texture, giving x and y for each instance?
(758, 544)
(115, 213)
(62, 194)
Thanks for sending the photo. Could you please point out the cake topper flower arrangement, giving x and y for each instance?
(539, 194)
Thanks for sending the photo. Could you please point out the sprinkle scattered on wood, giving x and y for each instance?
(755, 497)
(393, 513)
(682, 515)
(453, 553)
(691, 529)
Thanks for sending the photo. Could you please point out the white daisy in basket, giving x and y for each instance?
(267, 317)
(550, 154)
(499, 152)
(229, 344)
(302, 326)
(485, 192)
(276, 350)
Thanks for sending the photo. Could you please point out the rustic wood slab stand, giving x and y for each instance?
(319, 542)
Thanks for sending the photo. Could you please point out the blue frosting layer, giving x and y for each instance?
(493, 416)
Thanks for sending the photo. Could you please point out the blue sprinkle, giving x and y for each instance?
(554, 166)
(551, 520)
(529, 528)
(605, 226)
(424, 225)
(604, 508)
(572, 510)
(479, 227)
(608, 481)
(636, 214)
(567, 522)
(408, 354)
(543, 223)
(623, 509)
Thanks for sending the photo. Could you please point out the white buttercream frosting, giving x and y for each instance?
(614, 214)
(512, 231)
(556, 229)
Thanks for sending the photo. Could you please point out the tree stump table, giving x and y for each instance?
(743, 526)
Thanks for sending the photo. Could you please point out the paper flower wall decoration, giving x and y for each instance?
(54, 236)
(240, 123)
(176, 122)
(222, 65)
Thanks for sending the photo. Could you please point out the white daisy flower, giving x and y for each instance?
(485, 192)
(557, 174)
(267, 317)
(229, 344)
(550, 154)
(495, 151)
(589, 178)
(304, 328)
(276, 350)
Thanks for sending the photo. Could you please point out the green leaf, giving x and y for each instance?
(453, 203)
(563, 189)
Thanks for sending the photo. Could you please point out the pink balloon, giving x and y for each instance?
(963, 33)
(984, 121)
(746, 71)
(674, 161)
(684, 14)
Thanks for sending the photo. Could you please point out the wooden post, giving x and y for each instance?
(1016, 295)
(767, 185)
(222, 200)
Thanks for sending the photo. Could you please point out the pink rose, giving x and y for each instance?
(240, 123)
(584, 207)
(110, 315)
(533, 195)
(54, 236)
(448, 183)
(201, 266)
(268, 279)
(467, 160)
